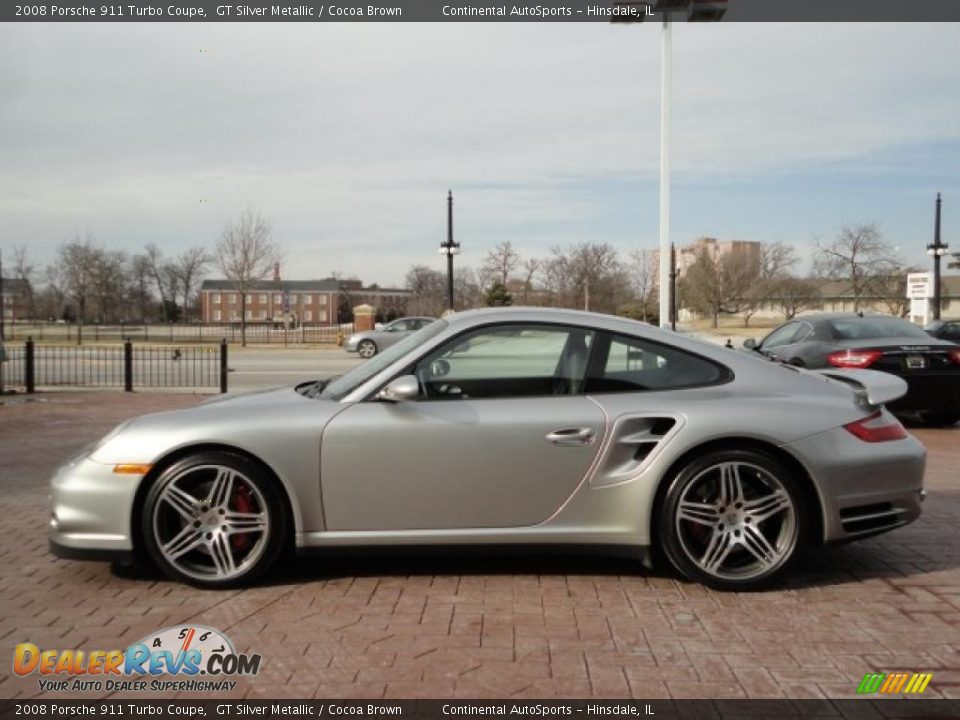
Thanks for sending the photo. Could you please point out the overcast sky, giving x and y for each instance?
(347, 136)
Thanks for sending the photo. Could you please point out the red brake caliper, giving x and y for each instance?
(243, 502)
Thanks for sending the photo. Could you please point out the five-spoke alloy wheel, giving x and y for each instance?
(367, 349)
(214, 520)
(732, 520)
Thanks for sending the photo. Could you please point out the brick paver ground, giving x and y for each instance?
(502, 626)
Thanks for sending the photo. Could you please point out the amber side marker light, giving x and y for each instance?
(131, 469)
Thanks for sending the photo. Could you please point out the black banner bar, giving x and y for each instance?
(479, 11)
(234, 709)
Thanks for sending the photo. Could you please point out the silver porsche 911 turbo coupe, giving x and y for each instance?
(512, 426)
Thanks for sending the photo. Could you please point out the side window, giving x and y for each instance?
(626, 364)
(399, 326)
(951, 331)
(507, 361)
(780, 336)
(804, 331)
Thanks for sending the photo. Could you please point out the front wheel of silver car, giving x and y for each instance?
(214, 520)
(367, 349)
(732, 520)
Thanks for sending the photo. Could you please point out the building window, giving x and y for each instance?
(263, 314)
(249, 314)
(309, 299)
(248, 298)
(232, 298)
(277, 298)
(216, 298)
(216, 316)
(322, 316)
(307, 315)
(263, 298)
(323, 299)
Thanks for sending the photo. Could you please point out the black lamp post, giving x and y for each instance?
(449, 248)
(937, 250)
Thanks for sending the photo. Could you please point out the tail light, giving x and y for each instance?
(877, 428)
(854, 358)
(954, 356)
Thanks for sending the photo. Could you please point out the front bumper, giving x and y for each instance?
(864, 488)
(351, 344)
(91, 511)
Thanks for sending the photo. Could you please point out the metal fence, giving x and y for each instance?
(257, 333)
(125, 366)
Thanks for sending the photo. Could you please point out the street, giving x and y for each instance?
(503, 625)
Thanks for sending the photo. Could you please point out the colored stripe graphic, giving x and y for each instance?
(871, 682)
(893, 683)
(918, 683)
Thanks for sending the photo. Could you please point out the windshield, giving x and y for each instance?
(869, 328)
(341, 387)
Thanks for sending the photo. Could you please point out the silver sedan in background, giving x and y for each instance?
(369, 343)
(503, 427)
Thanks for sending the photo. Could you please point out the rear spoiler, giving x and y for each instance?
(875, 387)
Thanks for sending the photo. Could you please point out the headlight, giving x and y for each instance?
(107, 438)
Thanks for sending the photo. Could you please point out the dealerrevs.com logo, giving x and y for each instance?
(201, 658)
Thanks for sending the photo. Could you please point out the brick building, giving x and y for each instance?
(14, 300)
(302, 302)
(747, 251)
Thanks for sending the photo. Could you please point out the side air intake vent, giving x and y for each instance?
(633, 444)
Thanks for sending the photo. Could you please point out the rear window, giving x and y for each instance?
(868, 328)
(628, 364)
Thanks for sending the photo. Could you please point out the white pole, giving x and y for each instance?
(665, 82)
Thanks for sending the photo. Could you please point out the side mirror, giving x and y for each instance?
(399, 389)
(750, 343)
(439, 368)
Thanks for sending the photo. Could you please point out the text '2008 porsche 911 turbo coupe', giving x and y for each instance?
(516, 426)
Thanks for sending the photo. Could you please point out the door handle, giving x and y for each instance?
(571, 437)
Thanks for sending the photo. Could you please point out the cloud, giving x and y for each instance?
(348, 136)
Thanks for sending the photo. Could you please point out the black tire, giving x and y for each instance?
(677, 535)
(941, 418)
(366, 349)
(265, 496)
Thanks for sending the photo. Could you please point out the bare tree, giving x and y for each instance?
(427, 289)
(53, 296)
(643, 278)
(776, 259)
(587, 275)
(531, 267)
(719, 285)
(25, 271)
(189, 269)
(501, 261)
(793, 295)
(139, 280)
(108, 285)
(162, 276)
(467, 291)
(78, 261)
(246, 255)
(891, 288)
(859, 255)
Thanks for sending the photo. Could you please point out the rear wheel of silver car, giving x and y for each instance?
(367, 349)
(732, 520)
(214, 520)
